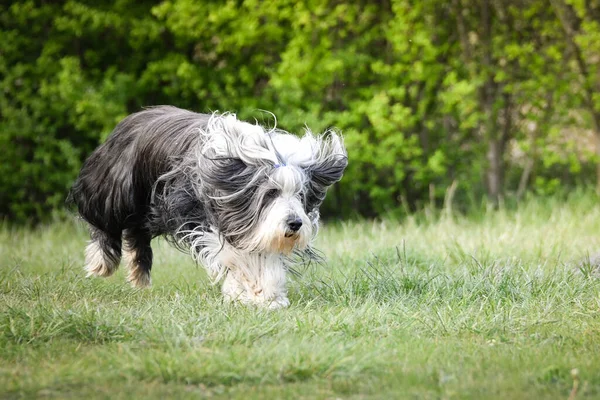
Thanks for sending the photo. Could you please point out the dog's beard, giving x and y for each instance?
(284, 242)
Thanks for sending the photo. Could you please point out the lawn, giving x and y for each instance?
(431, 306)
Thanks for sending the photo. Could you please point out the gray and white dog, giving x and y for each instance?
(239, 197)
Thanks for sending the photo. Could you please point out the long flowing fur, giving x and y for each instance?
(239, 197)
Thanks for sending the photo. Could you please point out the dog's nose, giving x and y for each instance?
(294, 224)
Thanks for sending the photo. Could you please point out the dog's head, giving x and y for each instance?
(263, 189)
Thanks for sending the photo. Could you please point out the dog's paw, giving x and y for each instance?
(97, 263)
(139, 279)
(258, 301)
(278, 302)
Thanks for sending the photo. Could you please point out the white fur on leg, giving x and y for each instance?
(97, 263)
(266, 288)
(249, 278)
(137, 277)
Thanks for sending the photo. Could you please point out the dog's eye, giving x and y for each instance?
(271, 194)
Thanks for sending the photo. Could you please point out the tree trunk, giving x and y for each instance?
(530, 163)
(495, 170)
(494, 156)
(569, 22)
(597, 140)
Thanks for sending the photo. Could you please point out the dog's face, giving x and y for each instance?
(263, 188)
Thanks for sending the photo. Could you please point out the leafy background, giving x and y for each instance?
(437, 100)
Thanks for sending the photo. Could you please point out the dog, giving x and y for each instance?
(240, 198)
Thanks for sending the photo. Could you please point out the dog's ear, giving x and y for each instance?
(227, 137)
(328, 168)
(330, 162)
(225, 175)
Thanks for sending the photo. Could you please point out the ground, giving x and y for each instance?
(430, 306)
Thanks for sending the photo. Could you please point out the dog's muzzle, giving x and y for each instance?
(293, 226)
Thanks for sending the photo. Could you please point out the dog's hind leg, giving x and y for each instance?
(138, 254)
(103, 253)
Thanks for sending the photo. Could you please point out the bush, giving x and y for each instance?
(395, 78)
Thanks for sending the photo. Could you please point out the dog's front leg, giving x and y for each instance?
(260, 280)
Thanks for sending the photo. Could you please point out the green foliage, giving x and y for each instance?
(421, 91)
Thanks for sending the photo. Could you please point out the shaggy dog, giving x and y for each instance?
(240, 198)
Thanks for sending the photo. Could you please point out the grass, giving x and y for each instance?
(429, 307)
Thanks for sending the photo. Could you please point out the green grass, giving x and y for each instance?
(429, 307)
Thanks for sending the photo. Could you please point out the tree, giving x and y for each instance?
(580, 21)
(429, 95)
